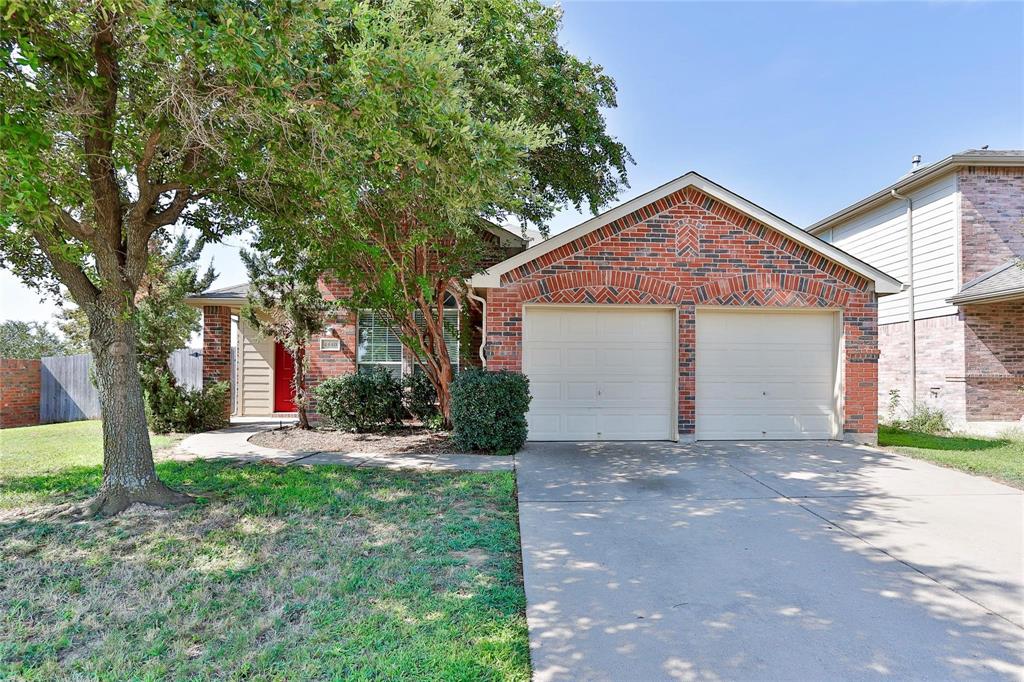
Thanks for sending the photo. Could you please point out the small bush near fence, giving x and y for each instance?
(187, 410)
(420, 396)
(365, 401)
(489, 411)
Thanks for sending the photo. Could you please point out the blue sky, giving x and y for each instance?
(800, 107)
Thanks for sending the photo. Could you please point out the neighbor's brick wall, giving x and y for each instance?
(688, 250)
(940, 365)
(994, 351)
(19, 393)
(992, 218)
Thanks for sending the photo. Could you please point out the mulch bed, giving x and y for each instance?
(405, 439)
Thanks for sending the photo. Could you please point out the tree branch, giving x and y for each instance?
(70, 274)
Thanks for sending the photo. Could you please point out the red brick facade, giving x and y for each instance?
(217, 346)
(992, 227)
(19, 393)
(940, 366)
(690, 250)
(341, 325)
(994, 358)
(992, 218)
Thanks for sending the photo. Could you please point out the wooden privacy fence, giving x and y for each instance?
(67, 392)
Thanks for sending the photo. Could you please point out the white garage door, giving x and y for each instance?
(766, 375)
(600, 373)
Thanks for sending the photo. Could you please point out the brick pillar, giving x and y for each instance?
(19, 393)
(217, 346)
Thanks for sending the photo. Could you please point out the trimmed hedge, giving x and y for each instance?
(364, 401)
(420, 396)
(488, 411)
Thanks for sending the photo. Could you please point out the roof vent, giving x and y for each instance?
(915, 163)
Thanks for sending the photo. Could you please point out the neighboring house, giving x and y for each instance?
(260, 371)
(954, 232)
(688, 312)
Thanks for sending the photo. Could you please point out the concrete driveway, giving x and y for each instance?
(806, 561)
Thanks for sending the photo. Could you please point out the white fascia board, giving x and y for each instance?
(884, 284)
(199, 302)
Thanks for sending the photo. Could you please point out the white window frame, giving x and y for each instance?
(360, 363)
(408, 365)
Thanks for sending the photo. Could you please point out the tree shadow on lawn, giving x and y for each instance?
(889, 437)
(312, 573)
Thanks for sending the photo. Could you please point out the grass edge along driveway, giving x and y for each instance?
(277, 573)
(999, 458)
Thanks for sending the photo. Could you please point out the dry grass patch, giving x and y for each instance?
(280, 573)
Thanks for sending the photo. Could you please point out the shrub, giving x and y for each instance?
(927, 420)
(488, 411)
(184, 410)
(365, 401)
(420, 396)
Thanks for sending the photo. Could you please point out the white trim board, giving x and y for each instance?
(884, 284)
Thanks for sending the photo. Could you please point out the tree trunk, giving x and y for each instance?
(299, 386)
(444, 389)
(129, 474)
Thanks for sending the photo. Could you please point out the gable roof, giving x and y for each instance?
(1003, 283)
(970, 157)
(884, 284)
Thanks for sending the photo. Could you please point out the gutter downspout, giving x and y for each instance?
(911, 314)
(483, 330)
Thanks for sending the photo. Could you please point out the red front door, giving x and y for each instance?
(284, 370)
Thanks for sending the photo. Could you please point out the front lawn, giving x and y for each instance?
(277, 573)
(52, 447)
(999, 458)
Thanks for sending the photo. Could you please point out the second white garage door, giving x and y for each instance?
(766, 375)
(600, 373)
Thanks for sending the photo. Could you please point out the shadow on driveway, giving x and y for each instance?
(777, 560)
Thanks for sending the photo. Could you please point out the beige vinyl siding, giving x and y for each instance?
(879, 238)
(255, 372)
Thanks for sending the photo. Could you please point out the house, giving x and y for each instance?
(688, 312)
(260, 371)
(954, 232)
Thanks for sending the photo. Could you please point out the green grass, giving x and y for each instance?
(52, 447)
(999, 458)
(276, 573)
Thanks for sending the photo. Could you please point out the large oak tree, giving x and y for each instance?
(120, 118)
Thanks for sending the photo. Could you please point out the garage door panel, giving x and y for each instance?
(581, 390)
(545, 390)
(614, 370)
(766, 375)
(579, 357)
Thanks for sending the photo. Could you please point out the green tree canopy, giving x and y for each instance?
(522, 134)
(29, 340)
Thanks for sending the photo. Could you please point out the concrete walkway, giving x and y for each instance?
(233, 443)
(782, 561)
